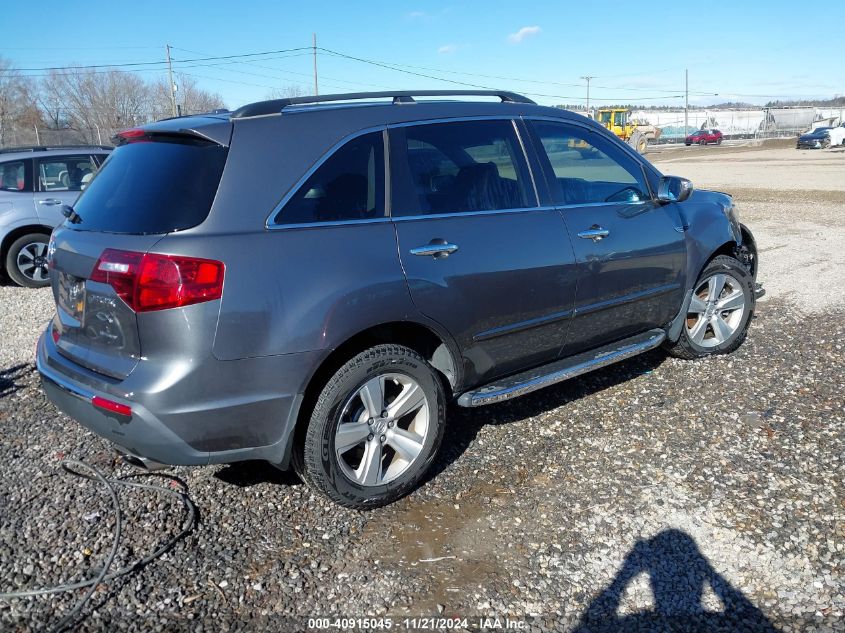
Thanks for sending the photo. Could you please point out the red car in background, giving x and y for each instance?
(703, 137)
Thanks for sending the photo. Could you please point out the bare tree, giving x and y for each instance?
(189, 96)
(18, 108)
(97, 105)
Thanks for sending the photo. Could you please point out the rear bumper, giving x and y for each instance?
(141, 434)
(248, 411)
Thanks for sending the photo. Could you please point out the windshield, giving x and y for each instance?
(152, 187)
(819, 130)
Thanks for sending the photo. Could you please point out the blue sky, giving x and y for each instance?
(637, 51)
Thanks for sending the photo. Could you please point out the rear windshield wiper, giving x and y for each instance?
(72, 216)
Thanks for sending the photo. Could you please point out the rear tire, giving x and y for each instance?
(375, 429)
(26, 261)
(719, 313)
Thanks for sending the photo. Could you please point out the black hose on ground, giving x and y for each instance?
(104, 575)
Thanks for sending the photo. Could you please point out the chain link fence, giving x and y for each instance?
(740, 124)
(25, 136)
(18, 135)
(734, 124)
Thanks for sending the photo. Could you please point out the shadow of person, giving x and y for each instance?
(678, 575)
(11, 378)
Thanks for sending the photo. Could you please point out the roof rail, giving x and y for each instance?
(275, 106)
(185, 116)
(47, 148)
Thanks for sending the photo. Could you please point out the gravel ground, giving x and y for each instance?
(657, 494)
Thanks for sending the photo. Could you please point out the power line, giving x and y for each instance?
(474, 85)
(160, 62)
(247, 58)
(160, 69)
(332, 81)
(521, 79)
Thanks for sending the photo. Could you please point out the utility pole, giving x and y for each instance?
(314, 51)
(587, 79)
(686, 101)
(170, 81)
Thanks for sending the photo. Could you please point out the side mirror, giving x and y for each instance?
(673, 189)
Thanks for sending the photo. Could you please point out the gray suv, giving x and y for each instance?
(35, 185)
(313, 281)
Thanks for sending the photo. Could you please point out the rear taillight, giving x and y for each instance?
(131, 136)
(149, 281)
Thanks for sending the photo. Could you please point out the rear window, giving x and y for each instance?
(152, 187)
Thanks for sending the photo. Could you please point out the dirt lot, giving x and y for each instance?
(657, 494)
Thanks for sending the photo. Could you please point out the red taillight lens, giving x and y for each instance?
(132, 136)
(110, 405)
(119, 269)
(156, 282)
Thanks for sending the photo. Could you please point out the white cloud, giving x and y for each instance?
(414, 15)
(521, 34)
(447, 49)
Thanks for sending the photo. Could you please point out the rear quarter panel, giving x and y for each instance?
(304, 289)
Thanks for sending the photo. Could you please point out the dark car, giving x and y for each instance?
(819, 138)
(36, 184)
(703, 137)
(314, 281)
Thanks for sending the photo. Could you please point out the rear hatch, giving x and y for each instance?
(102, 270)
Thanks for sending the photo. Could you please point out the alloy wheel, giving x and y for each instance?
(32, 261)
(382, 429)
(716, 310)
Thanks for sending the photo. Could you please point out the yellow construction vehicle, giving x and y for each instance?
(636, 133)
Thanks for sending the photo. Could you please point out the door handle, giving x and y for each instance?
(437, 248)
(50, 201)
(595, 233)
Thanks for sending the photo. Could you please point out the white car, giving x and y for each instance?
(837, 135)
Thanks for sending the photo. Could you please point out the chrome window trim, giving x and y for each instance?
(435, 216)
(527, 161)
(455, 119)
(272, 226)
(637, 158)
(311, 225)
(604, 204)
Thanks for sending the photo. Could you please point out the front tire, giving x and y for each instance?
(719, 313)
(26, 261)
(375, 429)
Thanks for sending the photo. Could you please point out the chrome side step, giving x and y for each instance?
(560, 370)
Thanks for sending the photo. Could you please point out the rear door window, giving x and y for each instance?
(65, 173)
(13, 176)
(458, 167)
(167, 184)
(585, 168)
(347, 185)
